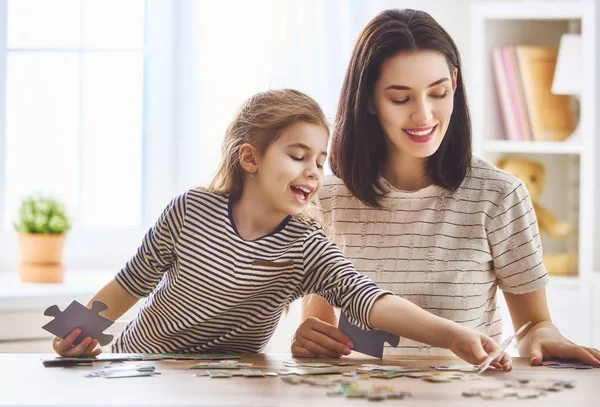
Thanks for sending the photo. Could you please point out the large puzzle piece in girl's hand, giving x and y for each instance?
(78, 316)
(367, 342)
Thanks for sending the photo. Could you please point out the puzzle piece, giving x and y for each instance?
(367, 342)
(565, 364)
(521, 389)
(457, 368)
(78, 316)
(498, 352)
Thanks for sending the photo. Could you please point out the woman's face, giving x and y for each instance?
(413, 100)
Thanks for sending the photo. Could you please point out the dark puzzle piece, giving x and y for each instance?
(78, 316)
(367, 342)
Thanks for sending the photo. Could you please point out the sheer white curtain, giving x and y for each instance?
(229, 50)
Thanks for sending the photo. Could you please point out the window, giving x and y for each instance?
(74, 100)
(83, 88)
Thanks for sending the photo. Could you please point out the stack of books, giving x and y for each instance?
(523, 77)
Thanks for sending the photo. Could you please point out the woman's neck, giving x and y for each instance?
(253, 217)
(406, 173)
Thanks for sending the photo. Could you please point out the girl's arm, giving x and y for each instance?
(118, 300)
(543, 340)
(138, 278)
(403, 318)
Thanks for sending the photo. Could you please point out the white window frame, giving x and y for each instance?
(93, 248)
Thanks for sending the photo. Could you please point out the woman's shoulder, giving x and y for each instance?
(332, 185)
(485, 176)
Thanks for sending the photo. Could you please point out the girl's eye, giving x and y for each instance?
(296, 158)
(443, 95)
(320, 166)
(400, 102)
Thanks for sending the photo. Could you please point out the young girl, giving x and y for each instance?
(415, 211)
(221, 264)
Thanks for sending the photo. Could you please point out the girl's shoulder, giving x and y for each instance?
(200, 197)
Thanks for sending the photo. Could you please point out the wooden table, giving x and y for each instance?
(24, 381)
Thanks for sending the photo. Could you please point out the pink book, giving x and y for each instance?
(504, 100)
(521, 105)
(511, 80)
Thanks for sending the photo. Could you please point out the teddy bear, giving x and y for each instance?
(533, 174)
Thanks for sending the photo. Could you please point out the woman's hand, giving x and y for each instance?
(544, 341)
(315, 338)
(64, 347)
(474, 348)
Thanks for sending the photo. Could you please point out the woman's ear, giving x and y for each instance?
(454, 79)
(248, 158)
(371, 106)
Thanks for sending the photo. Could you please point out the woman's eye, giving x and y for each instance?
(320, 166)
(296, 158)
(400, 102)
(443, 95)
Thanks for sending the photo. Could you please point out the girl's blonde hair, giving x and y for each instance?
(259, 123)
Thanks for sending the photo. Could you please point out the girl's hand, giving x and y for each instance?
(64, 347)
(474, 348)
(315, 338)
(544, 341)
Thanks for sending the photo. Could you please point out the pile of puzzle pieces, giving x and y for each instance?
(521, 389)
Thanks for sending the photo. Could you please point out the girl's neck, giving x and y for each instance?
(406, 173)
(253, 217)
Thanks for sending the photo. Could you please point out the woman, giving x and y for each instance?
(415, 211)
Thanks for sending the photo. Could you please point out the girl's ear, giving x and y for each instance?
(248, 158)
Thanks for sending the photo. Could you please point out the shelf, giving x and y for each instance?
(565, 282)
(529, 147)
(79, 285)
(532, 10)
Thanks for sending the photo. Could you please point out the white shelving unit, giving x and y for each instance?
(570, 166)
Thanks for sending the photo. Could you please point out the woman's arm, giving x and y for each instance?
(118, 301)
(318, 334)
(315, 306)
(543, 340)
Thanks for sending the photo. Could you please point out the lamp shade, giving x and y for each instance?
(568, 73)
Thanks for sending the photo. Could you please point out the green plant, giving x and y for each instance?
(42, 214)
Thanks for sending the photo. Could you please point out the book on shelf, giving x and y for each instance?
(523, 80)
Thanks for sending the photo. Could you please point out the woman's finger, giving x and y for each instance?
(323, 341)
(300, 352)
(315, 348)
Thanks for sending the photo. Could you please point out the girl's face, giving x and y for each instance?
(413, 100)
(290, 173)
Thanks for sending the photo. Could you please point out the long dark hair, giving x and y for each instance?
(358, 144)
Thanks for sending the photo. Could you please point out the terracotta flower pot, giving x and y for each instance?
(41, 257)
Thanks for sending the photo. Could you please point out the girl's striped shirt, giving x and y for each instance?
(209, 289)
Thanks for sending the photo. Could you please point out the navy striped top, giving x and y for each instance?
(209, 289)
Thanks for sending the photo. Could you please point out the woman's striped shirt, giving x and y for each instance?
(447, 252)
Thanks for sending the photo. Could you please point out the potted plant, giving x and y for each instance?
(42, 225)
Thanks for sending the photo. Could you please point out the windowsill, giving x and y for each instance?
(79, 284)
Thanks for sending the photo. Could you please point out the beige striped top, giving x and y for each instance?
(447, 252)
